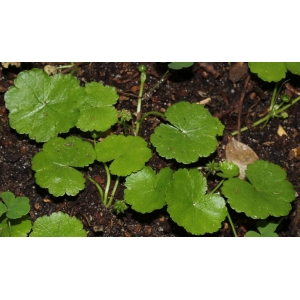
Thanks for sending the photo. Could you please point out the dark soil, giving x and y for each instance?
(222, 82)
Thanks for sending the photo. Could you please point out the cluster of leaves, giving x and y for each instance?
(266, 193)
(44, 106)
(15, 222)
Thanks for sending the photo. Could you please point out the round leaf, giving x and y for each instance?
(293, 67)
(268, 71)
(192, 133)
(97, 113)
(53, 165)
(129, 153)
(145, 190)
(16, 207)
(43, 106)
(18, 227)
(267, 192)
(57, 225)
(190, 207)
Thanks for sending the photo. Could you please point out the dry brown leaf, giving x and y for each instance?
(240, 154)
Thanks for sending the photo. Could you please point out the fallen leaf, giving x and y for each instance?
(281, 131)
(240, 154)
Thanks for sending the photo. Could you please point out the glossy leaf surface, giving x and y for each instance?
(43, 106)
(189, 205)
(54, 165)
(191, 133)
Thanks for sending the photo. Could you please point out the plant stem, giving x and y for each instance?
(98, 187)
(159, 82)
(107, 184)
(9, 226)
(275, 114)
(113, 191)
(231, 224)
(138, 110)
(218, 186)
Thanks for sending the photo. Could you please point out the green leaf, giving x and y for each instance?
(54, 165)
(179, 65)
(16, 207)
(58, 225)
(267, 192)
(129, 153)
(146, 190)
(268, 71)
(190, 207)
(97, 112)
(3, 209)
(17, 228)
(43, 106)
(293, 67)
(192, 133)
(228, 169)
(266, 229)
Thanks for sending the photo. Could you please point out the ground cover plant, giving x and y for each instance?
(187, 133)
(15, 222)
(187, 137)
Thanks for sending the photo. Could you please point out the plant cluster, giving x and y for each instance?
(15, 222)
(43, 107)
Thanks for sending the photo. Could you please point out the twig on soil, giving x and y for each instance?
(241, 108)
(126, 80)
(68, 70)
(291, 88)
(210, 69)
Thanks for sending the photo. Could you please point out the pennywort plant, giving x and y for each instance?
(43, 107)
(274, 72)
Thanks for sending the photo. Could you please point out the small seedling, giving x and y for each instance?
(14, 219)
(266, 229)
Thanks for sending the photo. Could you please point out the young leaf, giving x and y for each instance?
(15, 207)
(179, 65)
(54, 165)
(43, 106)
(57, 225)
(190, 207)
(15, 228)
(228, 169)
(146, 190)
(192, 133)
(266, 229)
(97, 113)
(267, 192)
(129, 153)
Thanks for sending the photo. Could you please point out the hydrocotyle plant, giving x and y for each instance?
(274, 72)
(14, 219)
(187, 132)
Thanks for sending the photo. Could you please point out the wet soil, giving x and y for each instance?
(223, 83)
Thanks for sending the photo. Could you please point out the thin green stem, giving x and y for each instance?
(9, 227)
(231, 224)
(159, 82)
(107, 184)
(143, 80)
(138, 110)
(276, 113)
(98, 187)
(140, 121)
(218, 186)
(113, 191)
